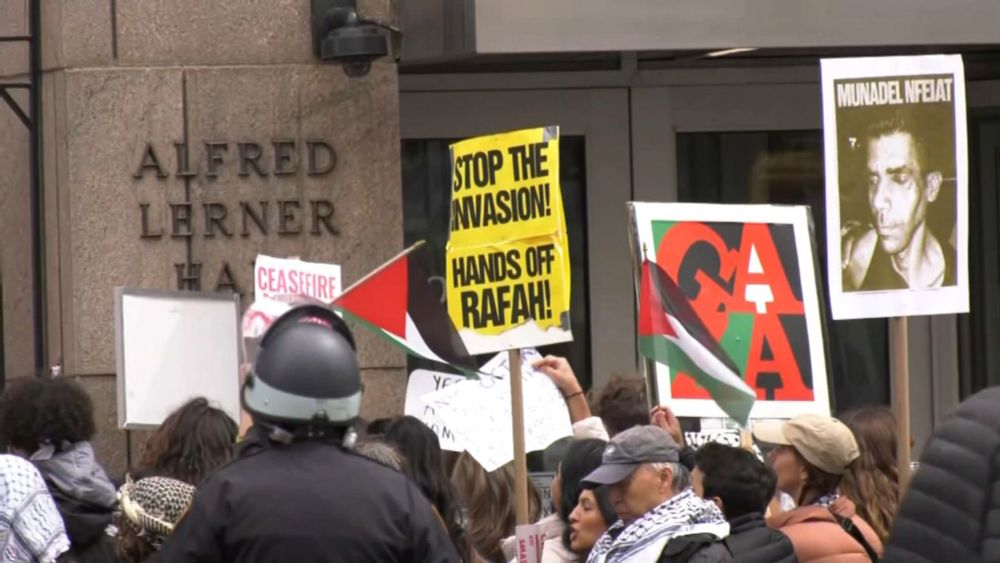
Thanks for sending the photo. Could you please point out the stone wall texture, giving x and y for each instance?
(119, 76)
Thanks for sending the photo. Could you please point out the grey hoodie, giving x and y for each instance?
(76, 473)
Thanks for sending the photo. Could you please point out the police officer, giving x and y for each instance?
(294, 493)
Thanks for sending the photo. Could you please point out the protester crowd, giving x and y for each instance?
(309, 482)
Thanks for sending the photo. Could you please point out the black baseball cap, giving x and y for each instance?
(630, 449)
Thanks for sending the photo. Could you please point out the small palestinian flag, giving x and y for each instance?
(672, 333)
(397, 302)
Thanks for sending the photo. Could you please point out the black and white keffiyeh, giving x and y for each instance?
(31, 528)
(643, 540)
(152, 506)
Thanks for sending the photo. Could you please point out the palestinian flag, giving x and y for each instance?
(397, 302)
(672, 333)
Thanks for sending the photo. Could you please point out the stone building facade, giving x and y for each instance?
(181, 139)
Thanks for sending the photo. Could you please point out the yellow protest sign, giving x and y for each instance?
(508, 270)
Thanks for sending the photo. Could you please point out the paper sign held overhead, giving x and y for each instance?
(479, 411)
(423, 382)
(507, 259)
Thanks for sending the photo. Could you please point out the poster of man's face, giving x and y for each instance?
(897, 185)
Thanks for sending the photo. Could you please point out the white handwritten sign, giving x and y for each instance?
(699, 439)
(478, 411)
(727, 437)
(421, 383)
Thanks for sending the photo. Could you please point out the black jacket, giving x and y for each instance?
(951, 511)
(751, 541)
(86, 526)
(308, 501)
(687, 457)
(695, 548)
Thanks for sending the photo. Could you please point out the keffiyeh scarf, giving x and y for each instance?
(643, 540)
(31, 528)
(153, 506)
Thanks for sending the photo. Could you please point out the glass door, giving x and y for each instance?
(756, 143)
(978, 331)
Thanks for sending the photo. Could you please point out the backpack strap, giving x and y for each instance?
(848, 526)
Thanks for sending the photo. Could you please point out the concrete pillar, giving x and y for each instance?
(218, 78)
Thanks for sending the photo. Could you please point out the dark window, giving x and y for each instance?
(426, 199)
(979, 354)
(786, 167)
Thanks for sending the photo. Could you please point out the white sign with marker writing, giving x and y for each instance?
(478, 411)
(421, 383)
(724, 436)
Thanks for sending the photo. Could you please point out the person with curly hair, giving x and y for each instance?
(50, 422)
(195, 440)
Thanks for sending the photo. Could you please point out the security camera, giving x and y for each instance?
(340, 36)
(355, 47)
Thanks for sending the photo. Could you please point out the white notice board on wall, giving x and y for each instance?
(172, 346)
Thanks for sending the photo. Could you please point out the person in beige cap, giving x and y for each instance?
(812, 455)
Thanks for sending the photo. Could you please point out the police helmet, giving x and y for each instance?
(306, 372)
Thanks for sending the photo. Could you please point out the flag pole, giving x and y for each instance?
(900, 369)
(517, 418)
(648, 366)
(385, 265)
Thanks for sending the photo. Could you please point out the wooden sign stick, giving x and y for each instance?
(520, 457)
(900, 368)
